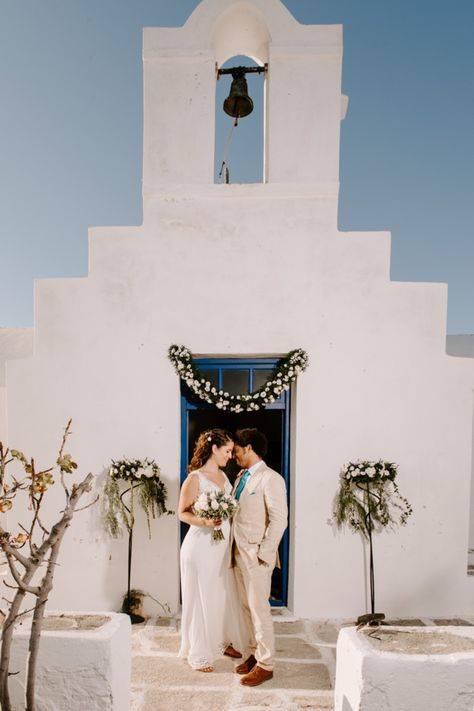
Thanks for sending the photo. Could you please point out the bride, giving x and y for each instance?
(211, 616)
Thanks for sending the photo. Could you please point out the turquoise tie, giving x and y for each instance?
(241, 484)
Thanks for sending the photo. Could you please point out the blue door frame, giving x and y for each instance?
(278, 412)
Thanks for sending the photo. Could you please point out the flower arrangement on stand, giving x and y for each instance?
(368, 501)
(140, 480)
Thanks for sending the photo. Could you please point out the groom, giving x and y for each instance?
(258, 526)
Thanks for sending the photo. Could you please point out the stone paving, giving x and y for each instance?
(304, 671)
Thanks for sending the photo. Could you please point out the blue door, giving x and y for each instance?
(239, 376)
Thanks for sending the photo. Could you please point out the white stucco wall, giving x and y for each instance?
(463, 346)
(14, 343)
(78, 668)
(379, 384)
(436, 673)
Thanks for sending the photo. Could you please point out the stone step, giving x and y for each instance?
(304, 673)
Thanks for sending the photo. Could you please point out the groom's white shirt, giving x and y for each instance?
(252, 469)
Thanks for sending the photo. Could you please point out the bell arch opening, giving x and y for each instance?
(241, 30)
(239, 143)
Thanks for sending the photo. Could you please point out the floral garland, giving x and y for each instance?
(285, 373)
(368, 498)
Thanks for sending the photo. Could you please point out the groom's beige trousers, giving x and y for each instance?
(253, 584)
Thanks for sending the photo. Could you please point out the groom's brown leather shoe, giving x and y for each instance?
(231, 652)
(257, 676)
(246, 666)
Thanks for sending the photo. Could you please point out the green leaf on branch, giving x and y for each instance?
(66, 464)
(16, 454)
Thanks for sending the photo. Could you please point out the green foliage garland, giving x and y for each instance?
(285, 373)
(368, 498)
(144, 482)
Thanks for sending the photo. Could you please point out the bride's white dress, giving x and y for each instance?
(211, 615)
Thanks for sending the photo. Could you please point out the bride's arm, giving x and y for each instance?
(187, 498)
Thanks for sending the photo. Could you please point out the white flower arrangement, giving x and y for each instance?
(134, 469)
(363, 471)
(285, 373)
(215, 505)
(127, 476)
(368, 498)
(368, 501)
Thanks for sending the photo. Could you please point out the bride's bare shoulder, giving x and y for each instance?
(191, 483)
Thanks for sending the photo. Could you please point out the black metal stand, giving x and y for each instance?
(135, 619)
(373, 618)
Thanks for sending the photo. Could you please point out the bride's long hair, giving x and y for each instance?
(203, 449)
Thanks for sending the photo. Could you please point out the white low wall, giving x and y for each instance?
(371, 679)
(79, 669)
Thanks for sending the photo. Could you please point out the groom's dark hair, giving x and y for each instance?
(252, 436)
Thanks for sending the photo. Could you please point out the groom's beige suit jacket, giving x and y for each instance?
(262, 516)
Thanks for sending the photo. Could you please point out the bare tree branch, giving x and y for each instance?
(11, 550)
(87, 506)
(12, 587)
(18, 579)
(36, 484)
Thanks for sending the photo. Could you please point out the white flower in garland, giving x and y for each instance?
(286, 373)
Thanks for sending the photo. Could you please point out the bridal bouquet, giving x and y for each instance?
(215, 505)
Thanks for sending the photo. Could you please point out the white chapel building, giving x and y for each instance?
(241, 274)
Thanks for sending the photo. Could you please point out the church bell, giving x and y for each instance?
(238, 104)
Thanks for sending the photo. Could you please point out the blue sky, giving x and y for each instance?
(71, 134)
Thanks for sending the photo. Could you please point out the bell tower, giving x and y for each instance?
(303, 102)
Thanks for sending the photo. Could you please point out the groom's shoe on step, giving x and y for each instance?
(246, 666)
(257, 676)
